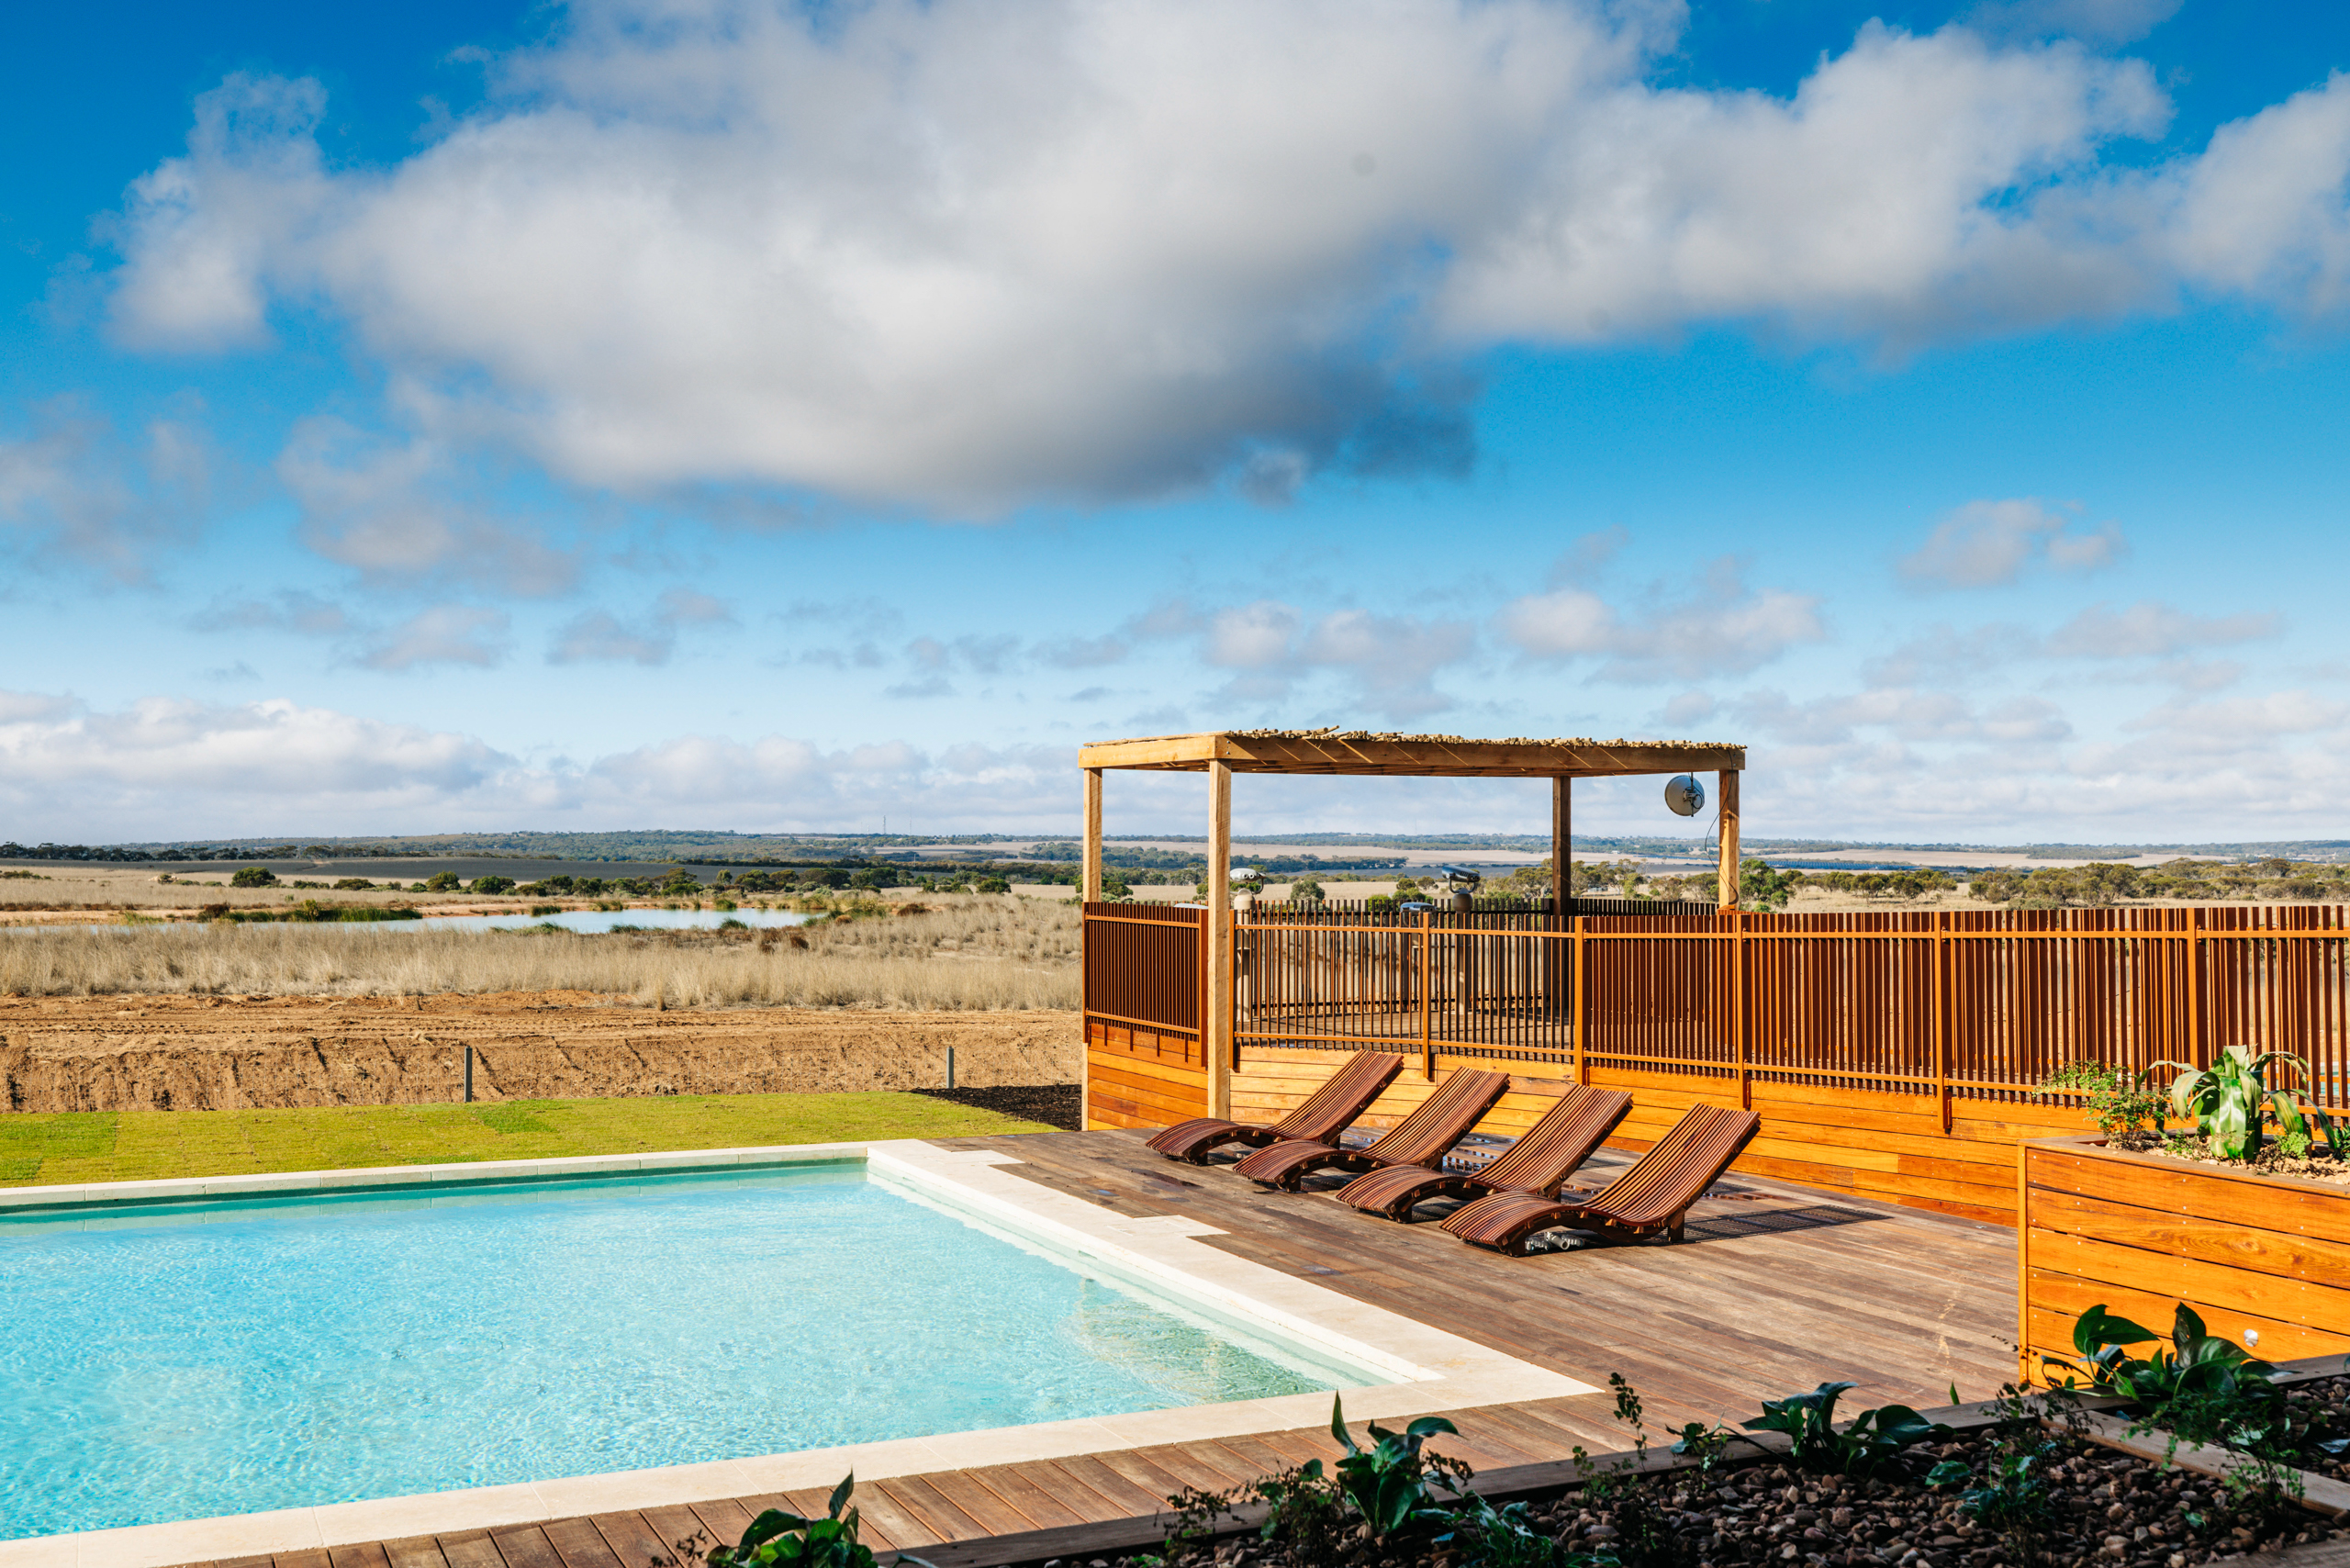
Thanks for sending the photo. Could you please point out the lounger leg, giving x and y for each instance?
(1679, 1220)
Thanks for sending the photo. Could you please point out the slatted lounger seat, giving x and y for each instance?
(1423, 1137)
(1319, 1118)
(1544, 1156)
(1655, 1195)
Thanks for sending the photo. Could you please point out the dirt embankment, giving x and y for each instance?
(115, 1053)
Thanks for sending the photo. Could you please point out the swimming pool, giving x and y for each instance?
(178, 1361)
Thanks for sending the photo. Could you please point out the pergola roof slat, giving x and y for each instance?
(1364, 752)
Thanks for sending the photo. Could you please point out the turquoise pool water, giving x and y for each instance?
(182, 1361)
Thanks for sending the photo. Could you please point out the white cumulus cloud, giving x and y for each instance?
(1990, 544)
(1722, 627)
(958, 256)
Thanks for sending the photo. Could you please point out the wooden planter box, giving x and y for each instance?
(2139, 1233)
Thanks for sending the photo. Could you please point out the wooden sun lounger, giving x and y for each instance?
(1654, 1197)
(1544, 1156)
(1319, 1118)
(1442, 1120)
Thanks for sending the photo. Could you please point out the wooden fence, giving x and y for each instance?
(1896, 1054)
(1146, 992)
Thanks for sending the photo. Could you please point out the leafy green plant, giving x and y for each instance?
(1507, 1538)
(776, 1537)
(1388, 1482)
(2123, 1103)
(2230, 1099)
(2204, 1388)
(1874, 1441)
(2337, 1136)
(253, 876)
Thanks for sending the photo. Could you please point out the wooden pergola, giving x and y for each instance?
(1358, 753)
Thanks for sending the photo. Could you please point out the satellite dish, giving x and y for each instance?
(1684, 795)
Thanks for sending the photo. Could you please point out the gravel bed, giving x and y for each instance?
(2105, 1510)
(1055, 1105)
(2320, 1416)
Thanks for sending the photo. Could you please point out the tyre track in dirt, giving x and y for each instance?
(189, 1053)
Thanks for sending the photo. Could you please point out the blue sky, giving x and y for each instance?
(778, 417)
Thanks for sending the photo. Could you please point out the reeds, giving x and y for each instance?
(990, 953)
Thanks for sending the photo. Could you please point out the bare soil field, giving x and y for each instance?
(195, 1052)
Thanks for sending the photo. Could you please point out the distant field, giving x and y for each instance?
(128, 1145)
(975, 952)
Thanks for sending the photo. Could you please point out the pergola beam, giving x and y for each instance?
(1361, 754)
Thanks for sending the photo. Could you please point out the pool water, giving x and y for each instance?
(223, 1358)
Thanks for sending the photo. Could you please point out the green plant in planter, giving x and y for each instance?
(2230, 1099)
(776, 1537)
(2123, 1103)
(1873, 1442)
(2337, 1137)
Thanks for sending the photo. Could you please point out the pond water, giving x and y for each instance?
(594, 922)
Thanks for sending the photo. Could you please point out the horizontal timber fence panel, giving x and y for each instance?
(1892, 1054)
(2138, 1234)
(1145, 994)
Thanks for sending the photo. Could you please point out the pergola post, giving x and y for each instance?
(1727, 878)
(1562, 846)
(1092, 893)
(1216, 1029)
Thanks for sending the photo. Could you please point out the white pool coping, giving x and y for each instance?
(1433, 1371)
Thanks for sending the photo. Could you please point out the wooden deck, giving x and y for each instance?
(1777, 1289)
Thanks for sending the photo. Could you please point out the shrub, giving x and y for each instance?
(1308, 889)
(2121, 1104)
(253, 876)
(353, 885)
(1872, 1442)
(493, 885)
(439, 882)
(994, 885)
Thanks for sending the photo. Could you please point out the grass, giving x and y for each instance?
(987, 952)
(131, 1145)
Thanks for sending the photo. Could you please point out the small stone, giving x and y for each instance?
(1842, 1518)
(2178, 1560)
(1789, 1553)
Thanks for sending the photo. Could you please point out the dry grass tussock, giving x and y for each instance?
(993, 953)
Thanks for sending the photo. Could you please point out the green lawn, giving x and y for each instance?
(126, 1146)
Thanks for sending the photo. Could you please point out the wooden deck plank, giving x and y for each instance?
(725, 1519)
(581, 1545)
(368, 1554)
(417, 1552)
(633, 1538)
(527, 1547)
(473, 1550)
(922, 1503)
(677, 1523)
(1045, 1507)
(1140, 1466)
(878, 1528)
(994, 1513)
(1123, 1492)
